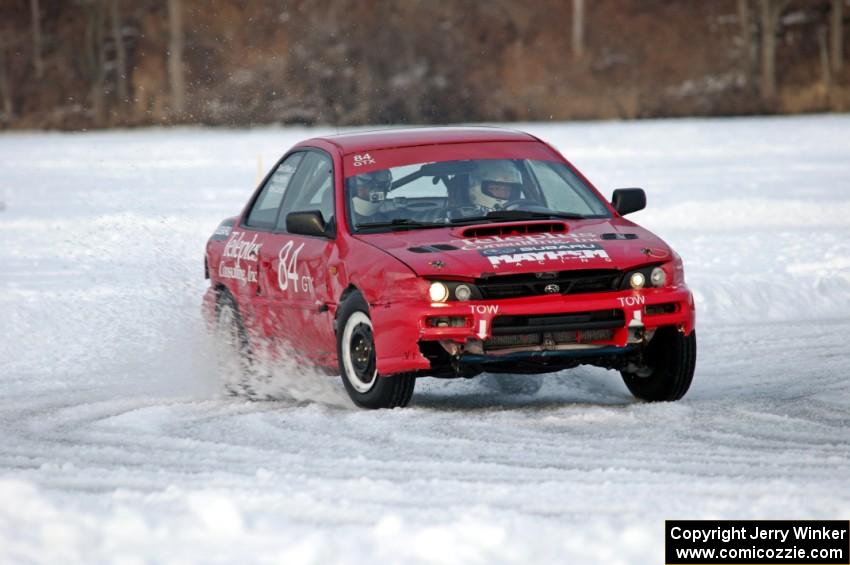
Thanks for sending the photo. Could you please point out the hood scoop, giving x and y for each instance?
(514, 229)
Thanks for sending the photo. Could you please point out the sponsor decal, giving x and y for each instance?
(287, 270)
(484, 309)
(280, 179)
(240, 249)
(498, 241)
(237, 247)
(222, 231)
(541, 253)
(631, 300)
(236, 273)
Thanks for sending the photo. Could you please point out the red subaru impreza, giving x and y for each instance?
(447, 252)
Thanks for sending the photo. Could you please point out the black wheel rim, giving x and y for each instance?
(363, 353)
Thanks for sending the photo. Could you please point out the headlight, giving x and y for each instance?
(669, 274)
(637, 280)
(463, 292)
(447, 291)
(438, 292)
(658, 277)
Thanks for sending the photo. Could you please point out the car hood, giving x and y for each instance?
(523, 247)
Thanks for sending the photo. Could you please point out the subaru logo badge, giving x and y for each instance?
(552, 289)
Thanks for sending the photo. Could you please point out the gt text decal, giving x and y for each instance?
(542, 253)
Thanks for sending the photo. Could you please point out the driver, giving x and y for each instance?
(368, 193)
(493, 184)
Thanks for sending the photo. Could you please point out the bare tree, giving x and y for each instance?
(120, 51)
(5, 82)
(37, 61)
(175, 57)
(94, 60)
(747, 39)
(578, 29)
(824, 61)
(836, 35)
(770, 12)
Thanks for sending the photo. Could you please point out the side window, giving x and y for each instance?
(313, 189)
(264, 212)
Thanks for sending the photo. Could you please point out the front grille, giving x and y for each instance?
(550, 330)
(532, 284)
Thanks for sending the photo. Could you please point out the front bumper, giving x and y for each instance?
(401, 326)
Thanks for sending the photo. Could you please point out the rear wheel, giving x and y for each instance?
(232, 348)
(669, 363)
(357, 360)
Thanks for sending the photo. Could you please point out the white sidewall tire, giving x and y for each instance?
(353, 321)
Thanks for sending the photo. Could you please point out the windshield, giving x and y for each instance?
(471, 191)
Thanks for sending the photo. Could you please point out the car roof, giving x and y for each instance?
(359, 141)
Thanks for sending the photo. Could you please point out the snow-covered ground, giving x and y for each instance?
(115, 448)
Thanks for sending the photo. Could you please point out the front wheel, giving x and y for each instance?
(357, 360)
(668, 369)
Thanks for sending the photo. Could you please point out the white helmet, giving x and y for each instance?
(369, 190)
(493, 183)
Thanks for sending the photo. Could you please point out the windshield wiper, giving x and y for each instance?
(401, 224)
(507, 215)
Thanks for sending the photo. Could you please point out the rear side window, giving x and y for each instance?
(263, 213)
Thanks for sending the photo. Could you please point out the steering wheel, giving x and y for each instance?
(430, 205)
(516, 203)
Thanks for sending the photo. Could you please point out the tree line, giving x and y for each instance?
(100, 63)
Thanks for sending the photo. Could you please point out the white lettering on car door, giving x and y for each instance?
(287, 270)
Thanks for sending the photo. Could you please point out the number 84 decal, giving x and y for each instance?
(287, 269)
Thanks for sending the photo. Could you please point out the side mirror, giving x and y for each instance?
(310, 222)
(628, 200)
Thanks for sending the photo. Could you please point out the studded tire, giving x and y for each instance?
(355, 347)
(670, 361)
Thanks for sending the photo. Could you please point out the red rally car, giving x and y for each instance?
(447, 252)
